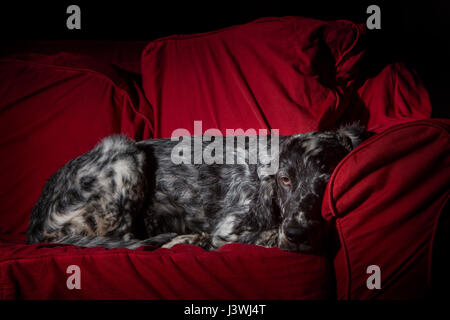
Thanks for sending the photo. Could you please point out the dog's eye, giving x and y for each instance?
(285, 181)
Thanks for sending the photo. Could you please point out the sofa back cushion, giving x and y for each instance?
(53, 109)
(281, 73)
(392, 96)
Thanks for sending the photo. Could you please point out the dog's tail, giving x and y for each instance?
(105, 242)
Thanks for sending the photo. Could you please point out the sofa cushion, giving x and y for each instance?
(394, 95)
(282, 73)
(52, 109)
(123, 54)
(386, 198)
(235, 271)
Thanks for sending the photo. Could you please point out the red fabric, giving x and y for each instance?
(395, 95)
(40, 124)
(282, 73)
(52, 109)
(123, 54)
(184, 272)
(386, 198)
(292, 74)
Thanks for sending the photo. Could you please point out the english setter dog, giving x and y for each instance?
(127, 194)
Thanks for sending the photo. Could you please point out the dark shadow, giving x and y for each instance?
(440, 263)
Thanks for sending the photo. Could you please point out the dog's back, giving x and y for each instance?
(94, 195)
(97, 198)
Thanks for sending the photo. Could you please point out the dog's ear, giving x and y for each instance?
(263, 215)
(352, 135)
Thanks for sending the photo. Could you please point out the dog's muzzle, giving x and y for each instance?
(298, 237)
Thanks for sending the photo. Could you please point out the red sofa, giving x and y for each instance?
(384, 204)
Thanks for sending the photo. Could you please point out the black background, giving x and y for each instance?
(416, 33)
(273, 310)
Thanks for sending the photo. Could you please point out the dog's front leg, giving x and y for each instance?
(267, 238)
(230, 230)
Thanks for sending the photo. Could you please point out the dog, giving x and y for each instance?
(128, 194)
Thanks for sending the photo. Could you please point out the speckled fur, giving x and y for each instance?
(128, 194)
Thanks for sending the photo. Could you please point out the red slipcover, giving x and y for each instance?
(386, 199)
(281, 73)
(123, 54)
(67, 105)
(54, 108)
(235, 271)
(291, 74)
(396, 95)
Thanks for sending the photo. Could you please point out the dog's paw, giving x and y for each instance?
(268, 238)
(199, 239)
(159, 240)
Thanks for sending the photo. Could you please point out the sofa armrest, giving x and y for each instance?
(384, 200)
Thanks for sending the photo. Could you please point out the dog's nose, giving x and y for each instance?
(295, 233)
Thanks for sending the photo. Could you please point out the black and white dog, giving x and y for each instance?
(128, 194)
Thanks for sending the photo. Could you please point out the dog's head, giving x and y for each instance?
(306, 162)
